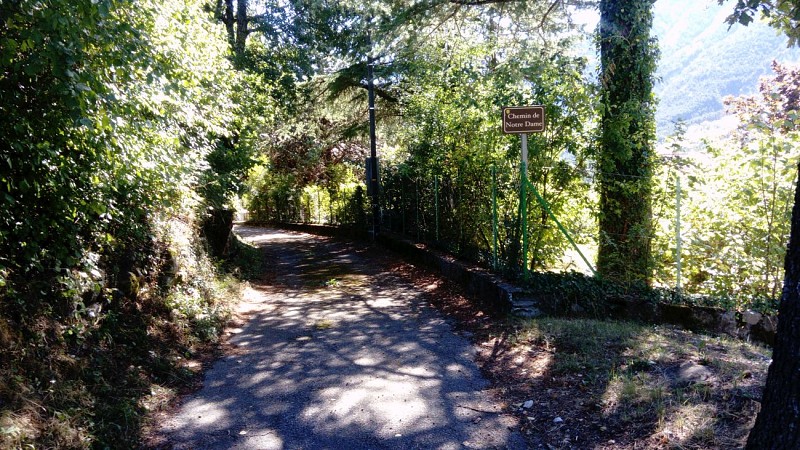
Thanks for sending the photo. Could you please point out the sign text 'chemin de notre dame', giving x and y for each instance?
(523, 119)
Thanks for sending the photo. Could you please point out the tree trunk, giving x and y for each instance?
(778, 424)
(217, 231)
(227, 19)
(241, 27)
(625, 163)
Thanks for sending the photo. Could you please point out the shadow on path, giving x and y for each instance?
(339, 354)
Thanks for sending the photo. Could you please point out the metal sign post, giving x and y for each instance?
(373, 180)
(523, 203)
(678, 233)
(523, 120)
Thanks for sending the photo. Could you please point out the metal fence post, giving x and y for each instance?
(403, 205)
(436, 203)
(494, 217)
(678, 232)
(416, 190)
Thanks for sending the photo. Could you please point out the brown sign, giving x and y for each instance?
(523, 119)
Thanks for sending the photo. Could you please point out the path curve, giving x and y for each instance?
(339, 353)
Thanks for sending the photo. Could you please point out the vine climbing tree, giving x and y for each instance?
(628, 61)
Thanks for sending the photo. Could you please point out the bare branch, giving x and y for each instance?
(547, 13)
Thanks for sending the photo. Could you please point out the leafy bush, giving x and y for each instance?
(111, 117)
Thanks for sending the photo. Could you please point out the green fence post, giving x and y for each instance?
(524, 218)
(436, 203)
(678, 232)
(494, 217)
(330, 208)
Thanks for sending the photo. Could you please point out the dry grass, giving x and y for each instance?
(622, 385)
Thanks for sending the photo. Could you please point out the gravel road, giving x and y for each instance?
(337, 352)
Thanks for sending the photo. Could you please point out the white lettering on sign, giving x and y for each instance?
(510, 115)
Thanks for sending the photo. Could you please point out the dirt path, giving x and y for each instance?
(340, 353)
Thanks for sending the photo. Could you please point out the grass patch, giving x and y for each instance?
(652, 386)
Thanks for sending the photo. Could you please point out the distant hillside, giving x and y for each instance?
(703, 61)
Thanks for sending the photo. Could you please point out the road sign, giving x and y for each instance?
(523, 119)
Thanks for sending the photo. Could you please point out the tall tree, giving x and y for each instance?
(628, 61)
(778, 424)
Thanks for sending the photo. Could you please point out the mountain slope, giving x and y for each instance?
(702, 60)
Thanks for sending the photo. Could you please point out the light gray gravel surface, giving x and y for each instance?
(339, 353)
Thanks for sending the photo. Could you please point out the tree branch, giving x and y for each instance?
(547, 13)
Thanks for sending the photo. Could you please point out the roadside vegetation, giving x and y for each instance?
(115, 124)
(92, 379)
(624, 385)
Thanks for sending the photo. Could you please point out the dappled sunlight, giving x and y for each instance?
(390, 405)
(262, 439)
(259, 236)
(366, 361)
(382, 302)
(206, 413)
(610, 385)
(652, 346)
(351, 355)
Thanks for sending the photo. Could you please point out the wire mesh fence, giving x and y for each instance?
(475, 213)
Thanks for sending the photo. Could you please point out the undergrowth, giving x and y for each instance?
(592, 295)
(85, 375)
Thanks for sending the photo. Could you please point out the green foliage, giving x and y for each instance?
(134, 100)
(439, 100)
(738, 194)
(782, 15)
(110, 117)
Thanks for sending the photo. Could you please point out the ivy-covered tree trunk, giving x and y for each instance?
(778, 424)
(628, 60)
